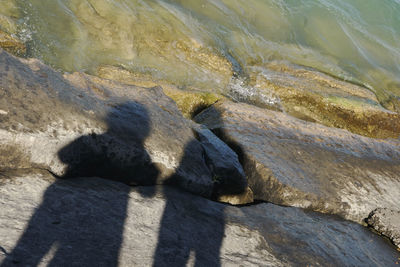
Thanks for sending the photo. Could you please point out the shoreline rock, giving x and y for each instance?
(81, 125)
(12, 44)
(76, 125)
(92, 221)
(386, 222)
(190, 102)
(302, 164)
(310, 95)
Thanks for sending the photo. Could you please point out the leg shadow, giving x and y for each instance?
(80, 221)
(188, 232)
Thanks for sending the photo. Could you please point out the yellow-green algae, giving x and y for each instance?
(310, 95)
(12, 44)
(201, 46)
(202, 42)
(189, 101)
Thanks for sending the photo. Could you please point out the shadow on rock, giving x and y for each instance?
(70, 230)
(81, 223)
(187, 235)
(118, 154)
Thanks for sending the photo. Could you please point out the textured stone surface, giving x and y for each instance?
(296, 163)
(314, 96)
(189, 101)
(11, 44)
(96, 222)
(247, 197)
(387, 222)
(80, 124)
(223, 162)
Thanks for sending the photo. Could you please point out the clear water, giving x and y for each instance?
(194, 42)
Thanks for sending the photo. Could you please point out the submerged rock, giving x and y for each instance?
(77, 124)
(297, 163)
(10, 8)
(91, 221)
(387, 222)
(8, 24)
(311, 95)
(190, 102)
(12, 44)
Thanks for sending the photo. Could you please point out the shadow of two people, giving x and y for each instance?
(87, 229)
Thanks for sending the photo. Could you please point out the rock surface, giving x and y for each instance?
(91, 221)
(12, 44)
(79, 124)
(228, 173)
(386, 222)
(311, 95)
(297, 163)
(247, 197)
(189, 101)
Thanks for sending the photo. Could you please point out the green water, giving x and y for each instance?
(194, 42)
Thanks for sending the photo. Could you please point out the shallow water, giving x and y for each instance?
(203, 43)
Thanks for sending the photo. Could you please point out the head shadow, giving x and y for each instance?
(81, 221)
(118, 154)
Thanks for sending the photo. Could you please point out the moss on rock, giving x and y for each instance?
(10, 8)
(12, 44)
(313, 96)
(190, 102)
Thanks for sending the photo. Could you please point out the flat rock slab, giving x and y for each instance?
(97, 222)
(308, 94)
(386, 222)
(296, 163)
(80, 125)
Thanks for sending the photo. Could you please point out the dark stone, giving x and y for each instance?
(223, 162)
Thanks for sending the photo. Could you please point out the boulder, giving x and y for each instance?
(386, 222)
(292, 162)
(77, 124)
(314, 96)
(92, 221)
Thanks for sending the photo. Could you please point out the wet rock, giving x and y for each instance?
(190, 101)
(224, 164)
(91, 221)
(392, 102)
(387, 222)
(292, 162)
(12, 44)
(78, 124)
(10, 8)
(8, 24)
(139, 38)
(247, 197)
(310, 95)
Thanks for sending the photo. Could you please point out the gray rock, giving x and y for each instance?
(302, 164)
(223, 162)
(97, 222)
(386, 222)
(80, 125)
